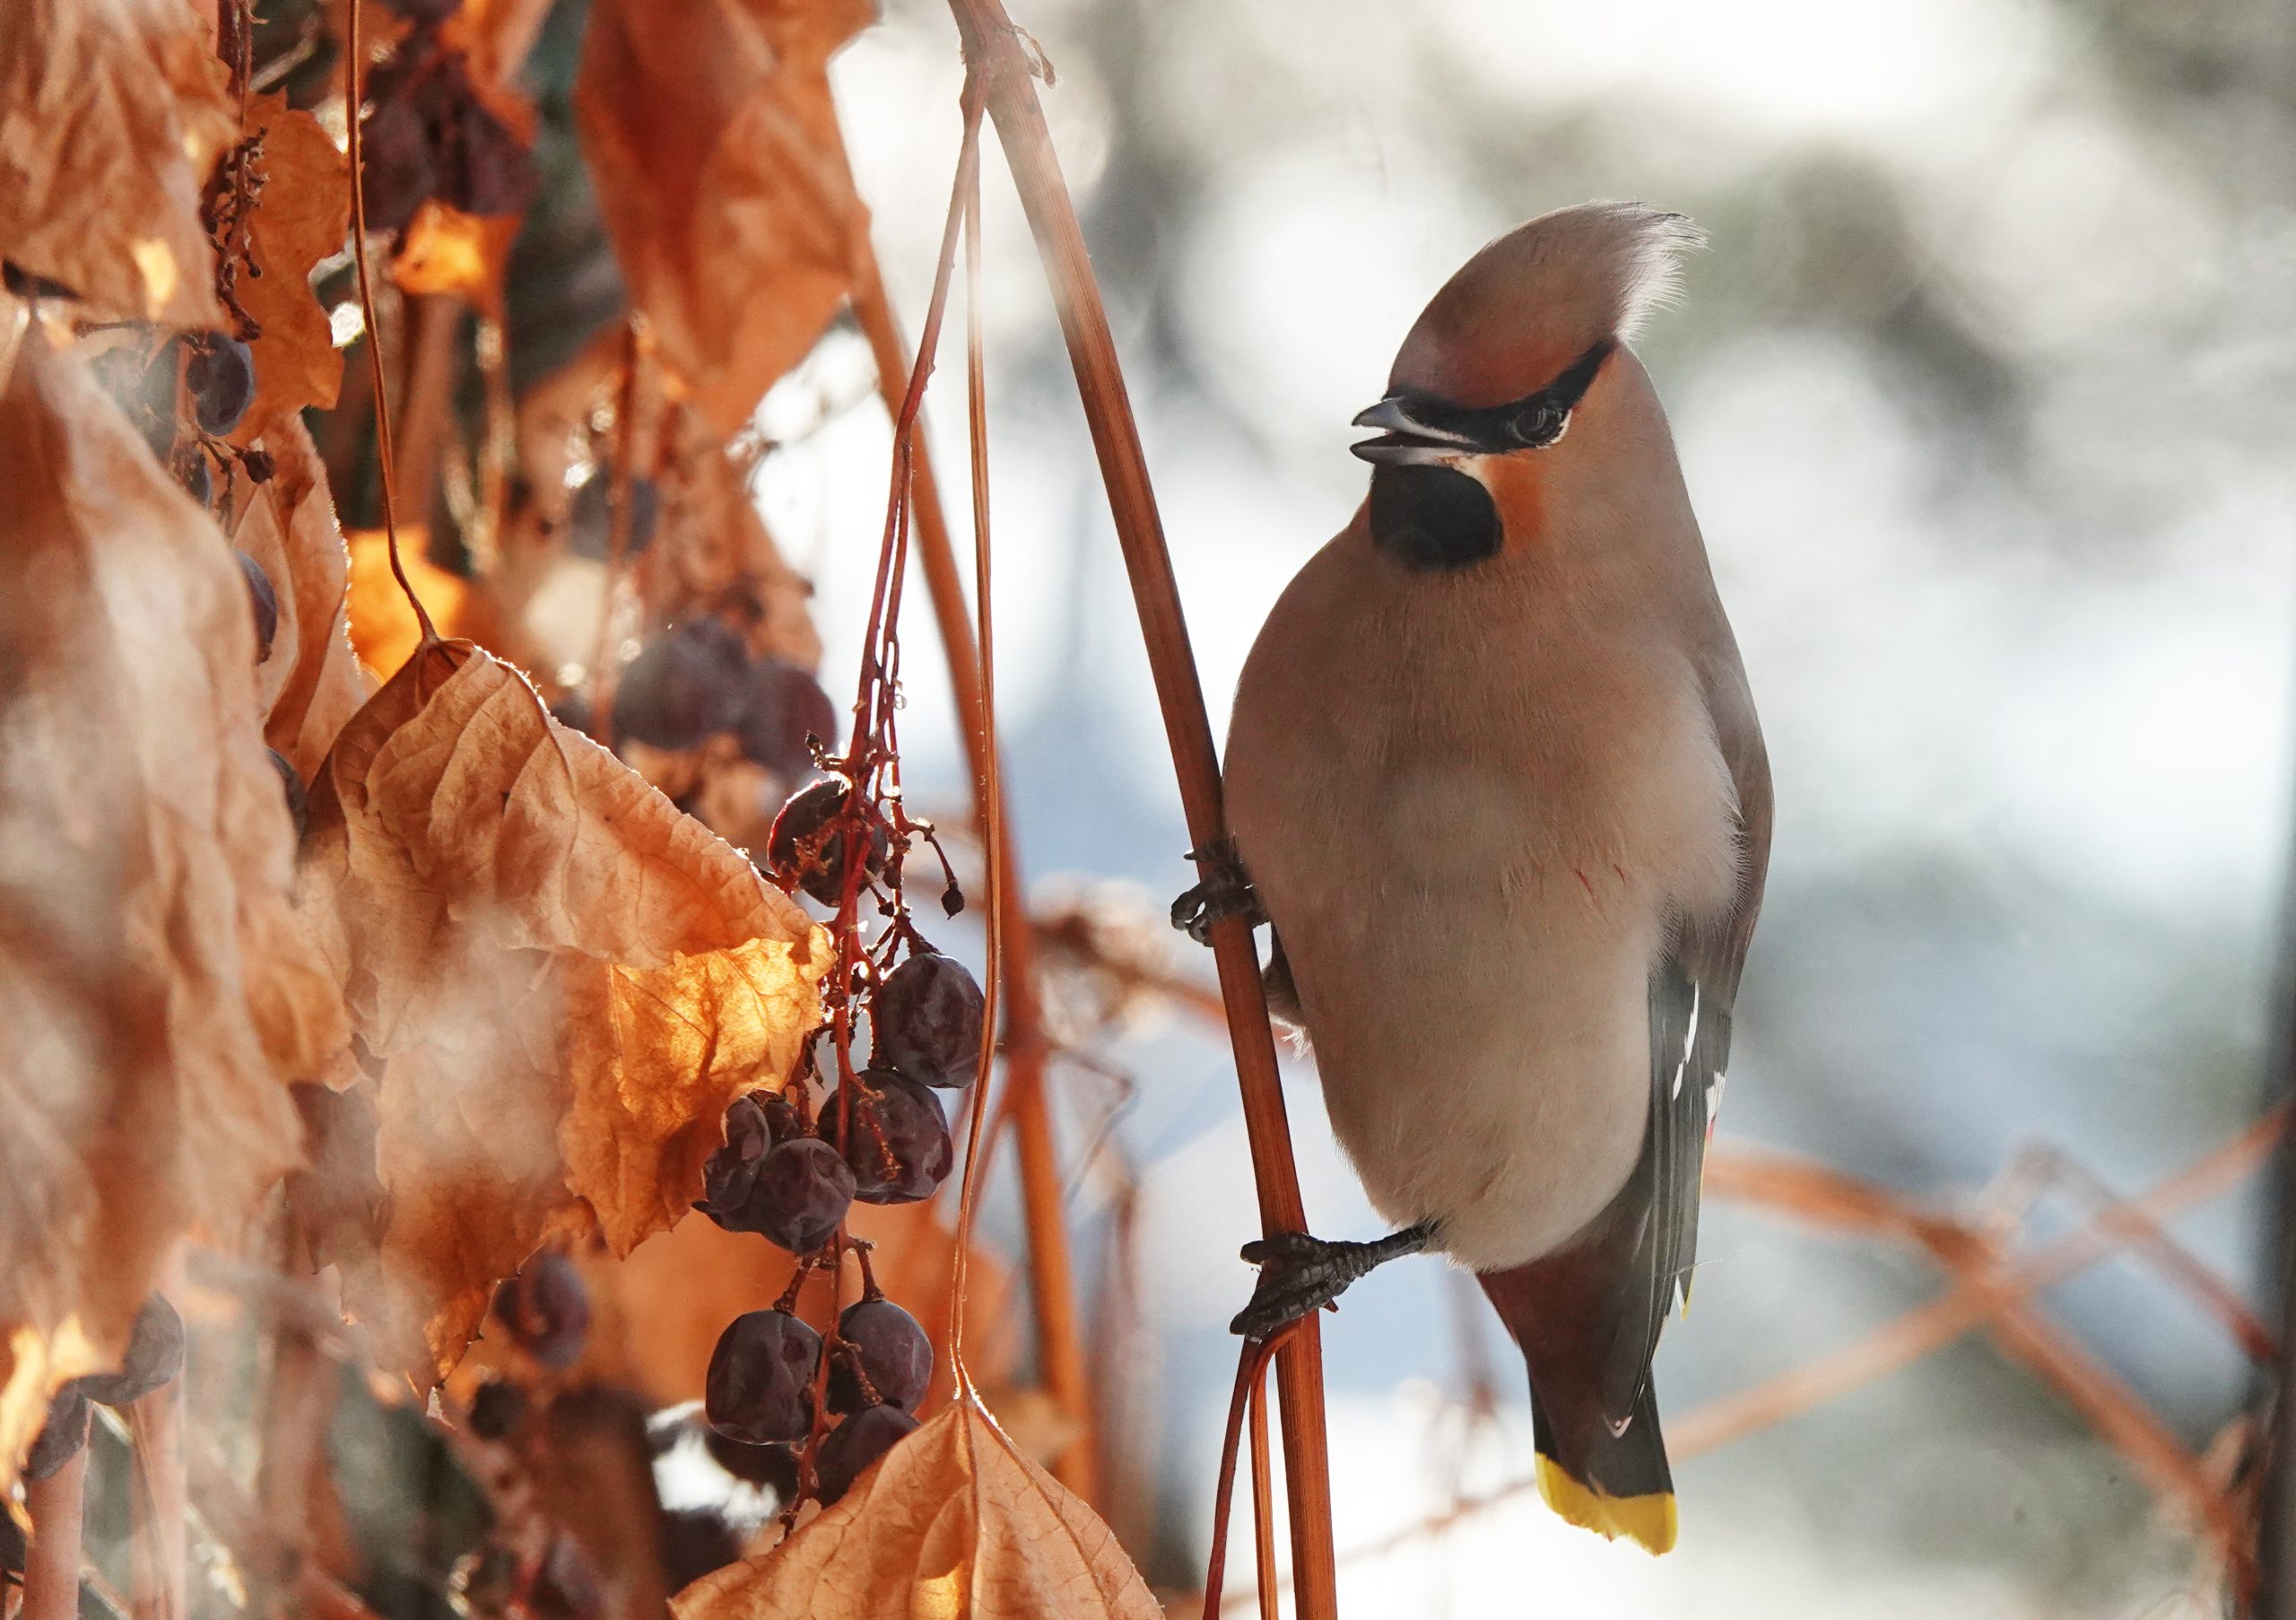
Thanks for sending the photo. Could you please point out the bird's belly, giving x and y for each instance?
(1501, 1086)
(1472, 940)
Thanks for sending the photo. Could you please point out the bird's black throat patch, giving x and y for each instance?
(1431, 516)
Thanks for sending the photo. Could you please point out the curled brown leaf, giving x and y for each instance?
(956, 1521)
(705, 123)
(116, 110)
(301, 215)
(563, 978)
(157, 999)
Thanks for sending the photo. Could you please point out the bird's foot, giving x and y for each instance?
(1224, 893)
(1300, 1273)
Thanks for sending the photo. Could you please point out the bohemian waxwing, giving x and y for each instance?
(1495, 778)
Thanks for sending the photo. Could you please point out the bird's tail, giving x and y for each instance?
(1614, 1482)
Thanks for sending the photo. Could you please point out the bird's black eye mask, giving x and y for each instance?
(1418, 429)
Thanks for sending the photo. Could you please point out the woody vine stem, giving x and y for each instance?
(993, 55)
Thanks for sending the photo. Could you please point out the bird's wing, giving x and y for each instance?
(1694, 989)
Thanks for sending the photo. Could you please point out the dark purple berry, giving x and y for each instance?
(61, 1437)
(731, 1171)
(266, 603)
(154, 1355)
(590, 519)
(490, 172)
(767, 1468)
(684, 688)
(760, 1385)
(547, 1308)
(925, 1020)
(398, 170)
(497, 1408)
(783, 707)
(806, 848)
(219, 372)
(856, 1444)
(893, 1351)
(896, 1140)
(803, 1190)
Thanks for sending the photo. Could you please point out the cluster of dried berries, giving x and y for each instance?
(791, 1168)
(153, 1356)
(698, 680)
(427, 133)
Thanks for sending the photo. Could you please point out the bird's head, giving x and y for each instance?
(1503, 364)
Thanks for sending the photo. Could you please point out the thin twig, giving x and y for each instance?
(1051, 1286)
(992, 51)
(58, 1505)
(354, 59)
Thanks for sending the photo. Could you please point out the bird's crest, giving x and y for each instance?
(1521, 308)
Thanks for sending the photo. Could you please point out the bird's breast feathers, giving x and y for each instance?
(1472, 863)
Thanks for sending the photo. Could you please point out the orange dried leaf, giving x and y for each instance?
(714, 146)
(301, 217)
(447, 251)
(312, 681)
(565, 980)
(954, 1522)
(116, 112)
(156, 996)
(383, 628)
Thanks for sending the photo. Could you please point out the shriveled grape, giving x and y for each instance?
(730, 1173)
(925, 1021)
(266, 603)
(803, 1190)
(760, 1387)
(397, 169)
(896, 1138)
(547, 1308)
(856, 1444)
(589, 518)
(782, 707)
(767, 1468)
(893, 1351)
(806, 848)
(497, 1407)
(685, 687)
(219, 372)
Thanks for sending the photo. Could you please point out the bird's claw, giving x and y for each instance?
(1224, 893)
(1300, 1273)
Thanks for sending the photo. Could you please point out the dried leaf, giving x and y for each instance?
(156, 1000)
(565, 980)
(954, 1522)
(115, 111)
(312, 683)
(384, 631)
(447, 251)
(299, 218)
(714, 146)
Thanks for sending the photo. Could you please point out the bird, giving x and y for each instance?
(1495, 779)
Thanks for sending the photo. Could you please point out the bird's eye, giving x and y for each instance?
(1538, 425)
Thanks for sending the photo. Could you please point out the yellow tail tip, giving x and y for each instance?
(1647, 1520)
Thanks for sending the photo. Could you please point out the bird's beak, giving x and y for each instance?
(1406, 441)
